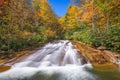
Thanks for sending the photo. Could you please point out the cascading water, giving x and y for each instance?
(55, 61)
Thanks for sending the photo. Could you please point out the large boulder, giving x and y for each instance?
(99, 56)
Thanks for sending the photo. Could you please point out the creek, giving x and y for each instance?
(58, 60)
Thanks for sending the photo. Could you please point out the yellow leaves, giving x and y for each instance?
(40, 13)
(62, 19)
(87, 1)
(24, 34)
(40, 8)
(72, 10)
(19, 5)
(43, 1)
(44, 5)
(102, 21)
(87, 15)
(70, 19)
(45, 12)
(35, 1)
(79, 14)
(88, 11)
(48, 32)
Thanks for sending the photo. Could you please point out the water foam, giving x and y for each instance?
(55, 61)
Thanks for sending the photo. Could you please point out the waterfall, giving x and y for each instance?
(58, 60)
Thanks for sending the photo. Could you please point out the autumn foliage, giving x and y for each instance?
(24, 23)
(95, 22)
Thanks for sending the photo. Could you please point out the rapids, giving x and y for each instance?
(58, 60)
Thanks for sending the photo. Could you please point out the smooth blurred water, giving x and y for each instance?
(58, 53)
(58, 60)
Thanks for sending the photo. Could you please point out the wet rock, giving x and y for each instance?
(99, 55)
(4, 68)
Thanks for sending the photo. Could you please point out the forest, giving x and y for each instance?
(38, 44)
(24, 24)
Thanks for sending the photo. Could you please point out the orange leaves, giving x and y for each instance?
(78, 15)
(86, 1)
(1, 11)
(88, 12)
(5, 2)
(24, 35)
(0, 2)
(87, 15)
(102, 21)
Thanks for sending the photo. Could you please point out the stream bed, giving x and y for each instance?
(59, 60)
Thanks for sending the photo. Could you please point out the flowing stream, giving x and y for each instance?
(58, 60)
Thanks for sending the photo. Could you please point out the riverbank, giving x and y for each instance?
(95, 55)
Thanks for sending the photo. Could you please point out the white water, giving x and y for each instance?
(55, 61)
